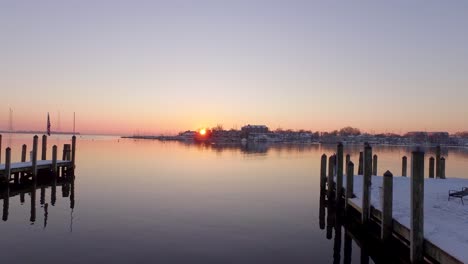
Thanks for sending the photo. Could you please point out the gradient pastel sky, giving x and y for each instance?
(165, 66)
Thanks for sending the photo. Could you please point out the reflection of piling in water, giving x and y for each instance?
(53, 193)
(32, 219)
(348, 248)
(42, 199)
(6, 203)
(337, 242)
(46, 214)
(330, 218)
(72, 193)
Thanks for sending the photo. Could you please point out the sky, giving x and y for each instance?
(155, 67)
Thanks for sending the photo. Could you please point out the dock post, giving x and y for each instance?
(417, 207)
(442, 168)
(431, 167)
(54, 160)
(34, 157)
(374, 165)
(366, 194)
(404, 166)
(73, 151)
(23, 153)
(0, 148)
(7, 172)
(349, 182)
(44, 147)
(323, 172)
(339, 172)
(331, 161)
(360, 170)
(387, 207)
(437, 162)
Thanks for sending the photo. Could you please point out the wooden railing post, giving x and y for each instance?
(417, 207)
(34, 157)
(404, 166)
(44, 147)
(367, 178)
(431, 167)
(387, 207)
(339, 172)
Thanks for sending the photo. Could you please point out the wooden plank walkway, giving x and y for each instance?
(27, 166)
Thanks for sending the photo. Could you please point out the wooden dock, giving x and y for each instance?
(30, 169)
(342, 200)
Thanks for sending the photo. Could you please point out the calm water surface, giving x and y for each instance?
(149, 201)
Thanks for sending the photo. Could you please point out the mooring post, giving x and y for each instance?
(73, 151)
(0, 148)
(349, 182)
(374, 165)
(66, 152)
(387, 207)
(339, 172)
(34, 157)
(323, 172)
(404, 166)
(348, 159)
(431, 167)
(54, 160)
(23, 153)
(7, 172)
(331, 161)
(360, 167)
(44, 147)
(442, 168)
(417, 207)
(367, 178)
(437, 161)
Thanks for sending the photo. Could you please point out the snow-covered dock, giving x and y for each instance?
(445, 221)
(26, 166)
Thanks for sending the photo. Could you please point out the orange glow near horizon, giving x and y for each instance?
(202, 131)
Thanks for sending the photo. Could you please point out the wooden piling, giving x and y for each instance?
(7, 172)
(387, 207)
(366, 194)
(73, 151)
(339, 172)
(66, 152)
(404, 166)
(44, 147)
(34, 157)
(431, 167)
(374, 165)
(437, 161)
(0, 148)
(331, 161)
(442, 168)
(23, 153)
(360, 167)
(349, 182)
(54, 160)
(348, 159)
(417, 207)
(323, 172)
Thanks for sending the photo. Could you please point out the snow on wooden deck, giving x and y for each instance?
(445, 222)
(20, 165)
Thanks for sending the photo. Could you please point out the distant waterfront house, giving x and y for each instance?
(254, 129)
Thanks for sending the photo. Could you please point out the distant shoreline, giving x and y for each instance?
(39, 132)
